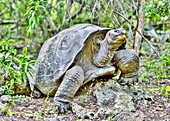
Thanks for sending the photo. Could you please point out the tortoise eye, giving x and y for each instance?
(117, 31)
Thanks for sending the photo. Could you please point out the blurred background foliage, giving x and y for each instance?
(30, 21)
(26, 24)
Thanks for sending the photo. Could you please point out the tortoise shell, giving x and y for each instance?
(58, 53)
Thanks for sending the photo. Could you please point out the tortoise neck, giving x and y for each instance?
(104, 55)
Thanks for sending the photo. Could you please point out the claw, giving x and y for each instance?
(62, 107)
(128, 81)
(36, 94)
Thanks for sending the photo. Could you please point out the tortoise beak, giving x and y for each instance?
(119, 34)
(122, 34)
(123, 37)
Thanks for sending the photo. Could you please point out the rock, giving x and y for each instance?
(83, 113)
(5, 98)
(129, 116)
(61, 118)
(104, 112)
(2, 79)
(123, 102)
(104, 95)
(108, 99)
(1, 91)
(2, 112)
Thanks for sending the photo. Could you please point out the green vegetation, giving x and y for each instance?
(15, 66)
(157, 10)
(158, 71)
(26, 24)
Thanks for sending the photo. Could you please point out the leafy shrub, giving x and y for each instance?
(14, 65)
(158, 68)
(157, 10)
(158, 71)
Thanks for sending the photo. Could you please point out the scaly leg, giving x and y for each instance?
(127, 61)
(98, 72)
(72, 81)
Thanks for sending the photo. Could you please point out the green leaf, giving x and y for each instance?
(26, 67)
(6, 47)
(166, 94)
(31, 67)
(12, 83)
(6, 56)
(24, 51)
(24, 77)
(9, 112)
(16, 60)
(18, 80)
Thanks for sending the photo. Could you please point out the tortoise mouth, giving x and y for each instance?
(120, 37)
(117, 34)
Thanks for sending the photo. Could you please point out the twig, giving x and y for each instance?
(160, 23)
(138, 32)
(105, 12)
(68, 7)
(14, 7)
(8, 22)
(52, 25)
(2, 12)
(120, 116)
(140, 26)
(78, 11)
(67, 17)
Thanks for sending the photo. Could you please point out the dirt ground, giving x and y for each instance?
(25, 108)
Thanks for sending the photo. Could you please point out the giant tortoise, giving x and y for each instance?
(80, 54)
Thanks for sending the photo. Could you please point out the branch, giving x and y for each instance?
(160, 23)
(68, 7)
(129, 17)
(78, 11)
(2, 12)
(75, 14)
(14, 7)
(52, 25)
(8, 22)
(138, 32)
(139, 27)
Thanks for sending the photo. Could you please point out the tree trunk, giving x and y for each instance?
(140, 26)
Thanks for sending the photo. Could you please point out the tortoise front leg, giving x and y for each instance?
(127, 61)
(72, 81)
(98, 72)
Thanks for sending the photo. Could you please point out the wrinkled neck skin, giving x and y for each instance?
(105, 54)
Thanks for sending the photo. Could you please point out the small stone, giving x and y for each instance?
(81, 112)
(5, 99)
(104, 112)
(2, 80)
(1, 110)
(1, 91)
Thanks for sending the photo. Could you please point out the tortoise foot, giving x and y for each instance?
(62, 107)
(36, 93)
(130, 81)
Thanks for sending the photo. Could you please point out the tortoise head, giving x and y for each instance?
(115, 38)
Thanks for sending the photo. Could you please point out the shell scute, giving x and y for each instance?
(59, 52)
